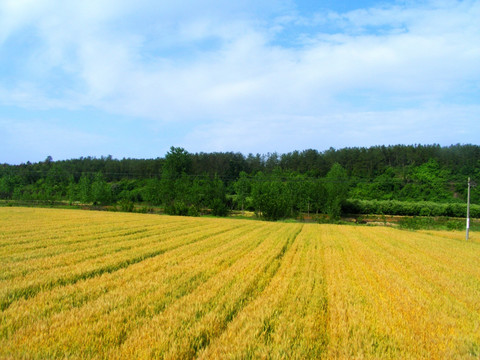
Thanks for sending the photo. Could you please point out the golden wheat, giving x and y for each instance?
(98, 285)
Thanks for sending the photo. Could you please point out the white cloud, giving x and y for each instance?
(230, 63)
(434, 51)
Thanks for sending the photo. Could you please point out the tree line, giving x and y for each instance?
(274, 186)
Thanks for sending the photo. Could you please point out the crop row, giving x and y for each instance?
(25, 278)
(123, 286)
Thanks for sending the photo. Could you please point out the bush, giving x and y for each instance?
(126, 205)
(456, 225)
(416, 223)
(193, 211)
(219, 207)
(146, 210)
(180, 208)
(406, 208)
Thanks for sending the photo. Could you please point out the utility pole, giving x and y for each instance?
(468, 208)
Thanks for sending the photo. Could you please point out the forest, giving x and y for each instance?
(426, 180)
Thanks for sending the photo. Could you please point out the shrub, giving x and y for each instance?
(126, 205)
(193, 211)
(406, 208)
(219, 207)
(180, 208)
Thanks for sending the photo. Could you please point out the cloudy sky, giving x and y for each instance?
(130, 78)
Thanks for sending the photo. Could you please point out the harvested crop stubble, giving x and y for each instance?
(93, 285)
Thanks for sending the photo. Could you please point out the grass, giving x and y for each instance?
(103, 285)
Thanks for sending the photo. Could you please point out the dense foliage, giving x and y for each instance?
(274, 186)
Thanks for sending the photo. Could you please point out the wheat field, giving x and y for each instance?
(101, 285)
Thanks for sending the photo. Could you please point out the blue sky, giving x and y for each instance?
(130, 78)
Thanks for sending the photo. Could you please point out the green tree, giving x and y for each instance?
(199, 193)
(217, 197)
(177, 162)
(182, 195)
(153, 191)
(8, 184)
(318, 196)
(430, 182)
(176, 167)
(85, 189)
(306, 189)
(101, 190)
(56, 182)
(72, 192)
(271, 197)
(242, 188)
(336, 184)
